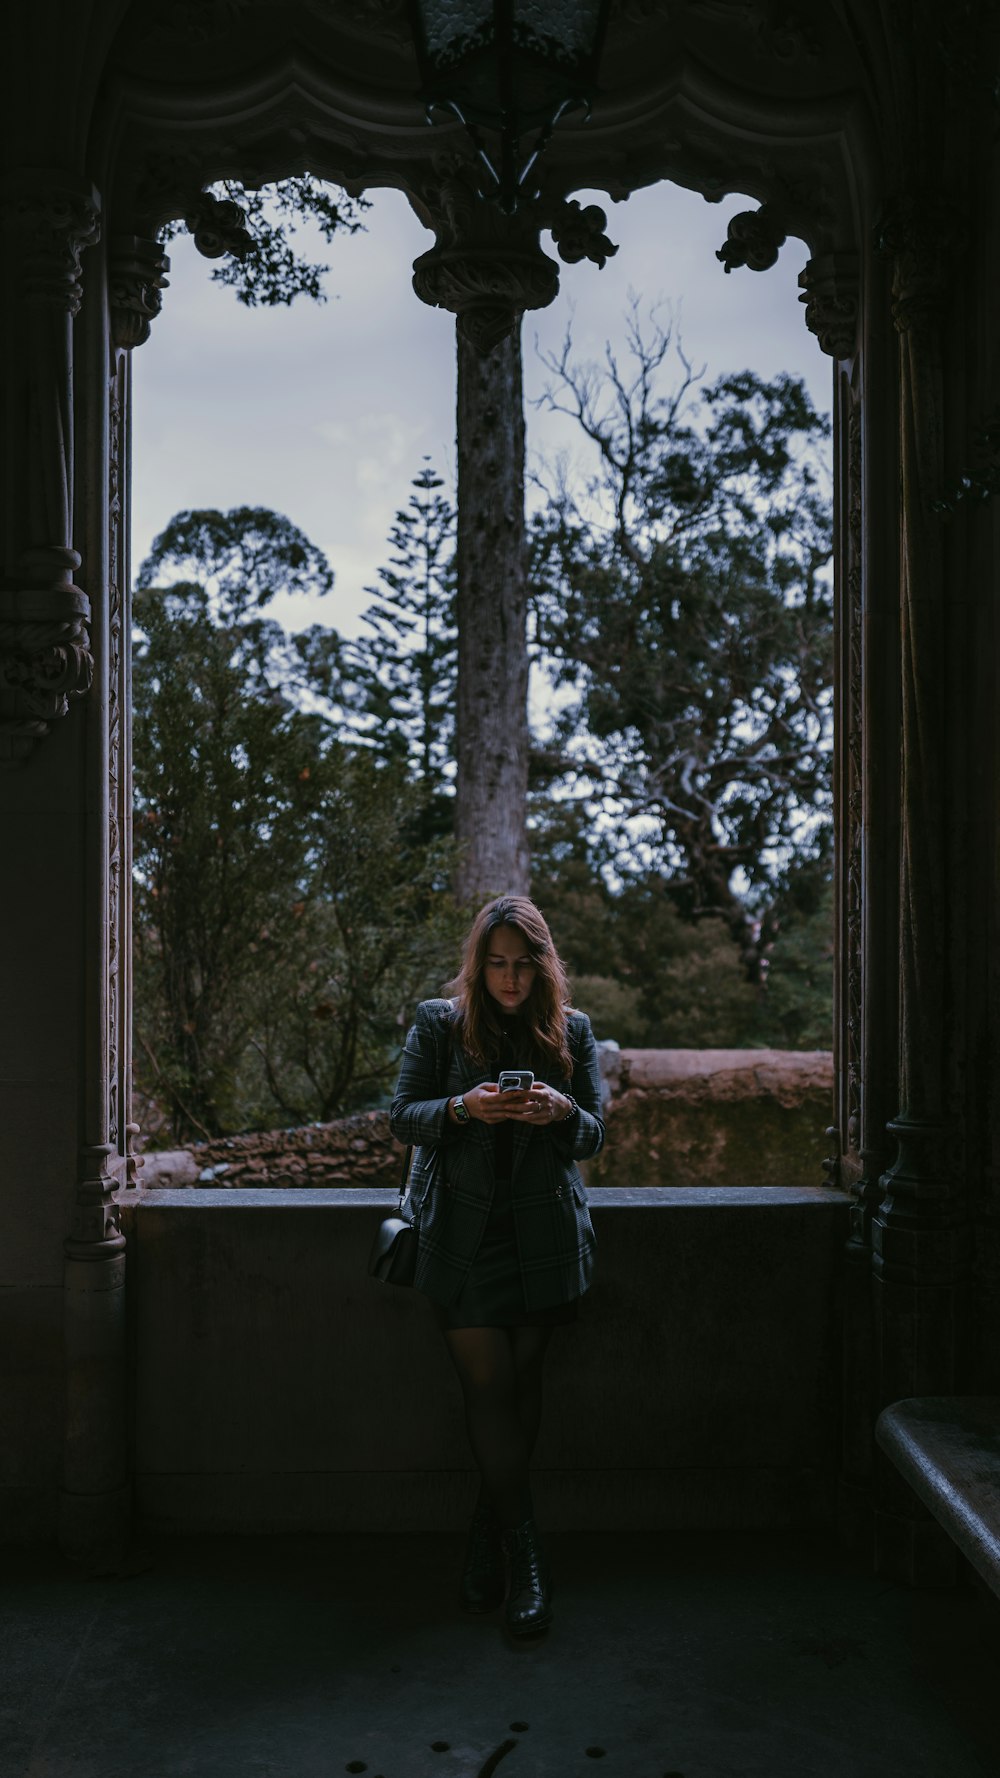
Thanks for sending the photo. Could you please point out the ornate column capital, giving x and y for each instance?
(923, 235)
(829, 286)
(137, 273)
(45, 659)
(51, 221)
(485, 267)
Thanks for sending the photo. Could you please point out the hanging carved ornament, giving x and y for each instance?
(753, 239)
(137, 274)
(217, 226)
(578, 233)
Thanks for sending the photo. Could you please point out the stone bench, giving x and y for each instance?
(947, 1447)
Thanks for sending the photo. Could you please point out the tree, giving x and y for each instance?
(399, 675)
(374, 932)
(491, 736)
(284, 922)
(683, 598)
(652, 979)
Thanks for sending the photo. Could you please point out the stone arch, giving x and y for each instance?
(850, 130)
(779, 112)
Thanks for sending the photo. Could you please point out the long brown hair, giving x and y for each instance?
(477, 1025)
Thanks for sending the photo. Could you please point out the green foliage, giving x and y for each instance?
(797, 1010)
(275, 271)
(284, 921)
(682, 597)
(649, 978)
(374, 932)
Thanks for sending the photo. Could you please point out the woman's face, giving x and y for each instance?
(508, 970)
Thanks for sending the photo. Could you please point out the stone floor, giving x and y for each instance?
(673, 1656)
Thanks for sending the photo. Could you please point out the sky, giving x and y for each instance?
(325, 412)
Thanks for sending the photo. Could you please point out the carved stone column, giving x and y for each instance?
(829, 287)
(865, 874)
(487, 268)
(920, 1233)
(45, 657)
(95, 1501)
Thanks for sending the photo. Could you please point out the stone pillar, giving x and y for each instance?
(94, 1514)
(46, 723)
(920, 1232)
(843, 294)
(491, 719)
(65, 894)
(487, 268)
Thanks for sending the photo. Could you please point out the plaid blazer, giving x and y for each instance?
(451, 1180)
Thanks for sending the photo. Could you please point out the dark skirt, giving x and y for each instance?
(492, 1295)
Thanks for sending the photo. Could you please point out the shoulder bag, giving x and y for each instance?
(393, 1258)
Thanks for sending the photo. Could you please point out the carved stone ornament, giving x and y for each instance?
(752, 239)
(924, 237)
(137, 273)
(829, 286)
(217, 226)
(486, 267)
(578, 233)
(199, 20)
(780, 30)
(96, 1226)
(45, 660)
(48, 224)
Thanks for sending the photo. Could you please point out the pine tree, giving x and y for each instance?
(400, 673)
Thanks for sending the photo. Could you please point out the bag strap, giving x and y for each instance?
(404, 1177)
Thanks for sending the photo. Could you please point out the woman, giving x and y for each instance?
(505, 1242)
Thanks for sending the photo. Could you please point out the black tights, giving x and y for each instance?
(500, 1370)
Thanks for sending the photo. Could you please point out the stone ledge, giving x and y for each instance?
(948, 1449)
(757, 1197)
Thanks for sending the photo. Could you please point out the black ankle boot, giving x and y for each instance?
(529, 1594)
(483, 1578)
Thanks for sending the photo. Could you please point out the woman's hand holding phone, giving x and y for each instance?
(489, 1105)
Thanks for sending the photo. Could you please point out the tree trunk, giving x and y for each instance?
(491, 740)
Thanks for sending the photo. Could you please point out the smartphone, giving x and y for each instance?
(515, 1080)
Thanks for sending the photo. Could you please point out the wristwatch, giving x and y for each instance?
(462, 1115)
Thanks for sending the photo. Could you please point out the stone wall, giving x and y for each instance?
(277, 1387)
(715, 1117)
(675, 1118)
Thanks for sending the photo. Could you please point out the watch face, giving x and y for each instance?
(461, 1112)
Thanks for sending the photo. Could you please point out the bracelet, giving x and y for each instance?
(573, 1109)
